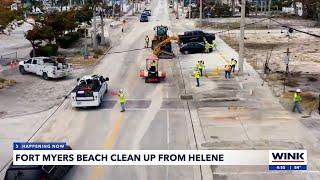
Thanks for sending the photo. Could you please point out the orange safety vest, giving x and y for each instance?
(227, 68)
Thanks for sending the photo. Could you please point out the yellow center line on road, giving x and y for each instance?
(108, 144)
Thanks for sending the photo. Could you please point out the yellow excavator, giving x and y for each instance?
(161, 43)
(161, 52)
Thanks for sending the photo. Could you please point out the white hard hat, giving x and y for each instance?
(298, 90)
(120, 90)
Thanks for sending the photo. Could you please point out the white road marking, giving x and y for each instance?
(168, 141)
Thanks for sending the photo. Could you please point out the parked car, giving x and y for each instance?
(192, 48)
(32, 172)
(46, 67)
(147, 11)
(144, 18)
(196, 36)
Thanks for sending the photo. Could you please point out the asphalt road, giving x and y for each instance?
(155, 116)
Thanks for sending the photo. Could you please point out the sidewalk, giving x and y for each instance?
(241, 113)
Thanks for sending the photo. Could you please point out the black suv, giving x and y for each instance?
(196, 36)
(34, 172)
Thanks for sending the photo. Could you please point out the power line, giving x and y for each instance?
(247, 24)
(118, 52)
(290, 27)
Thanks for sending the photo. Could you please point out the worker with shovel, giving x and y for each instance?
(233, 64)
(297, 101)
(122, 100)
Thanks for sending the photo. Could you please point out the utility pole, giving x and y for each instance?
(103, 40)
(266, 7)
(182, 6)
(200, 13)
(121, 8)
(85, 43)
(113, 9)
(94, 38)
(177, 17)
(269, 15)
(241, 41)
(133, 7)
(190, 9)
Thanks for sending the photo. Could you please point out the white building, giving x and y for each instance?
(290, 9)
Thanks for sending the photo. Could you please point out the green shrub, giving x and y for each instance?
(95, 56)
(99, 52)
(48, 50)
(66, 40)
(81, 32)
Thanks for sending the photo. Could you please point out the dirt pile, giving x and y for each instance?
(304, 66)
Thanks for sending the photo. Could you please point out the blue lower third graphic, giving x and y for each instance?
(39, 146)
(287, 167)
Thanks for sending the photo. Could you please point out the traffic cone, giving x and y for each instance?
(11, 65)
(217, 71)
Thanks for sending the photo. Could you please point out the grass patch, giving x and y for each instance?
(291, 82)
(80, 61)
(312, 79)
(230, 25)
(2, 80)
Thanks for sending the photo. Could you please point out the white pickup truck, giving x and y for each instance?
(45, 67)
(89, 91)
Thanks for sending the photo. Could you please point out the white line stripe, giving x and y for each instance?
(168, 141)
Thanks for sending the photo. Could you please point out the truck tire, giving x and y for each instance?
(45, 76)
(22, 70)
(186, 52)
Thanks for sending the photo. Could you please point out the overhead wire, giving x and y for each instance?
(295, 29)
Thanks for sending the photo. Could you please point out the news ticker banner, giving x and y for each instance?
(56, 154)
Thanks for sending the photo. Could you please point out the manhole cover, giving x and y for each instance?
(109, 104)
(186, 96)
(171, 104)
(139, 104)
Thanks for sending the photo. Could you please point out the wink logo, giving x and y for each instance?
(287, 157)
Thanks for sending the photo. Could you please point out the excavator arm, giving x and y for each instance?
(157, 49)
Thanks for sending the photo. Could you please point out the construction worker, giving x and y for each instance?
(122, 100)
(297, 101)
(153, 65)
(319, 105)
(199, 67)
(215, 43)
(227, 70)
(197, 75)
(146, 40)
(233, 64)
(207, 46)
